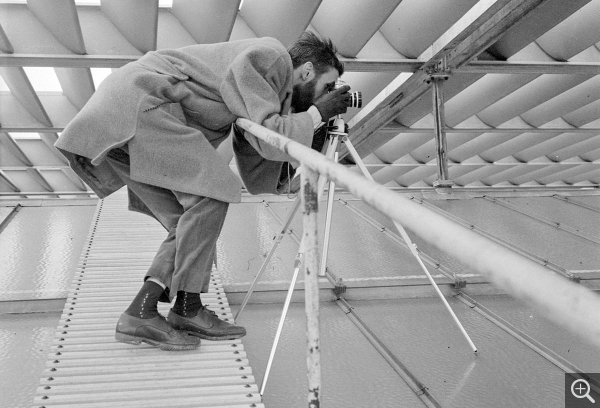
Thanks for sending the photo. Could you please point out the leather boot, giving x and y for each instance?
(155, 331)
(206, 325)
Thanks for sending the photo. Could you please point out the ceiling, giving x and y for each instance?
(520, 81)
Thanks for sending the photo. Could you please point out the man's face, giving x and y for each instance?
(306, 93)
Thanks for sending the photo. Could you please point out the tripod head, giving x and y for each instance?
(336, 127)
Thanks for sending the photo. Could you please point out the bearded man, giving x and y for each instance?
(154, 126)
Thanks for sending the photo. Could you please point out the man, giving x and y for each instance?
(154, 125)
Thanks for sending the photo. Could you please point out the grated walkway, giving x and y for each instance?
(86, 367)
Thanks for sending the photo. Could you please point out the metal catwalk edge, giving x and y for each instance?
(87, 368)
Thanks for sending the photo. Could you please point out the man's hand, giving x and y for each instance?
(333, 103)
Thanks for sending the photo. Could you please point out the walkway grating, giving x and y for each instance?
(86, 367)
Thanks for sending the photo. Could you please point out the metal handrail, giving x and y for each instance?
(567, 304)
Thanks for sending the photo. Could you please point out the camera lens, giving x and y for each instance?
(355, 99)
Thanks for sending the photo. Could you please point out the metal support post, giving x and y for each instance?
(310, 201)
(437, 93)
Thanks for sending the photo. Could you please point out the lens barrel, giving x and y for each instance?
(355, 99)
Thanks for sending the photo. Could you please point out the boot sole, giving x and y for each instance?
(136, 341)
(208, 337)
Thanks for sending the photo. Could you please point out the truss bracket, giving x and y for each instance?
(438, 71)
(460, 284)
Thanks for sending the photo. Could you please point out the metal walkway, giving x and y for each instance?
(86, 367)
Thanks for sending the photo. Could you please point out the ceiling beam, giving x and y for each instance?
(469, 164)
(481, 26)
(39, 178)
(14, 149)
(73, 178)
(49, 139)
(5, 45)
(65, 61)
(27, 194)
(4, 177)
(350, 65)
(17, 81)
(504, 67)
(77, 84)
(397, 129)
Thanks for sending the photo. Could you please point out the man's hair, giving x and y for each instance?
(321, 52)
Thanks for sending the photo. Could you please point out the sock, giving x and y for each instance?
(144, 305)
(187, 304)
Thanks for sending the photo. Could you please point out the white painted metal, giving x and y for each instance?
(310, 237)
(87, 368)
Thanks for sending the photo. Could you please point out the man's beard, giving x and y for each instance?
(303, 96)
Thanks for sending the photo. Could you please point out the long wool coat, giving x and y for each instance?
(174, 107)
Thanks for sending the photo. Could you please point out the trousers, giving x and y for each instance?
(184, 259)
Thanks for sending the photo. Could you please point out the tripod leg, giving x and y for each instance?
(327, 224)
(263, 267)
(413, 250)
(412, 247)
(288, 298)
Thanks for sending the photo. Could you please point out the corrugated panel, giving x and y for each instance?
(88, 368)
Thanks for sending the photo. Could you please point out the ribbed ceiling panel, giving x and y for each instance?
(77, 84)
(61, 19)
(528, 97)
(282, 19)
(13, 152)
(354, 23)
(416, 24)
(26, 33)
(101, 36)
(522, 101)
(5, 45)
(208, 21)
(171, 32)
(19, 85)
(571, 100)
(573, 35)
(547, 15)
(49, 139)
(137, 20)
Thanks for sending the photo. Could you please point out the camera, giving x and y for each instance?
(355, 96)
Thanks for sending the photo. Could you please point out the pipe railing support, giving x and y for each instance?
(310, 204)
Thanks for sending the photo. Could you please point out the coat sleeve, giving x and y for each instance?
(255, 87)
(259, 175)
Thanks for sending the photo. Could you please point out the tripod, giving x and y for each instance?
(336, 133)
